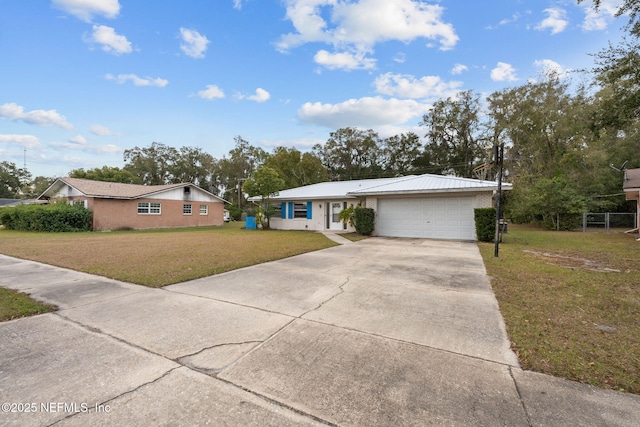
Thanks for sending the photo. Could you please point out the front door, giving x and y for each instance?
(334, 221)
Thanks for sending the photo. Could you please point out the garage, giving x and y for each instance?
(418, 206)
(427, 217)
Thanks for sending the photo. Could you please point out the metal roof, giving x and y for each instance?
(431, 184)
(400, 185)
(329, 190)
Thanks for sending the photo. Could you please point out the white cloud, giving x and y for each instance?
(86, 9)
(211, 92)
(105, 149)
(555, 21)
(357, 26)
(12, 111)
(260, 96)
(459, 69)
(407, 86)
(368, 112)
(101, 130)
(87, 148)
(503, 72)
(506, 21)
(138, 81)
(26, 141)
(237, 4)
(301, 144)
(110, 41)
(78, 139)
(65, 145)
(599, 20)
(400, 58)
(547, 67)
(193, 43)
(344, 60)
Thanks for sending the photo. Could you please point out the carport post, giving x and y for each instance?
(499, 157)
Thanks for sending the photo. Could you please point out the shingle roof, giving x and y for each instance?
(111, 190)
(631, 179)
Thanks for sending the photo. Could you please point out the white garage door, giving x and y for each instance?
(429, 217)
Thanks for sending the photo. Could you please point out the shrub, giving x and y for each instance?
(234, 212)
(485, 223)
(55, 217)
(347, 215)
(364, 220)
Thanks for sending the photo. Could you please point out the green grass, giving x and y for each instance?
(14, 304)
(557, 290)
(160, 257)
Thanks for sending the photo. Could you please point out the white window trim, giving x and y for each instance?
(206, 210)
(184, 208)
(148, 208)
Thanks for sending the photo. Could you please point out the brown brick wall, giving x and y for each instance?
(114, 214)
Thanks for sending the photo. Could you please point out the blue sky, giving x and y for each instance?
(83, 80)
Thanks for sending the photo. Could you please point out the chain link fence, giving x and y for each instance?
(604, 222)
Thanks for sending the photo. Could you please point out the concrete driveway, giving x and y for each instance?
(380, 332)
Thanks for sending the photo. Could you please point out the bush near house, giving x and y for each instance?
(364, 220)
(56, 217)
(485, 223)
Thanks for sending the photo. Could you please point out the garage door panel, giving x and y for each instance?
(435, 217)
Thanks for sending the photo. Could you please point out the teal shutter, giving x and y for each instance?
(309, 208)
(290, 210)
(283, 210)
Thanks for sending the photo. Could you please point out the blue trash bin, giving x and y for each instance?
(250, 223)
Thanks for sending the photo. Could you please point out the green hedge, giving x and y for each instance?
(55, 217)
(485, 224)
(364, 219)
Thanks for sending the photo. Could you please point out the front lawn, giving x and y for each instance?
(160, 257)
(571, 303)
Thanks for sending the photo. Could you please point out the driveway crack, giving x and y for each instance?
(524, 406)
(278, 403)
(124, 393)
(341, 291)
(219, 345)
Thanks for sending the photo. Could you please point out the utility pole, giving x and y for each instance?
(239, 187)
(499, 155)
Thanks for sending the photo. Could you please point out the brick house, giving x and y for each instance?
(118, 206)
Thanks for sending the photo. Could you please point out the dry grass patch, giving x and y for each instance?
(571, 303)
(160, 257)
(354, 237)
